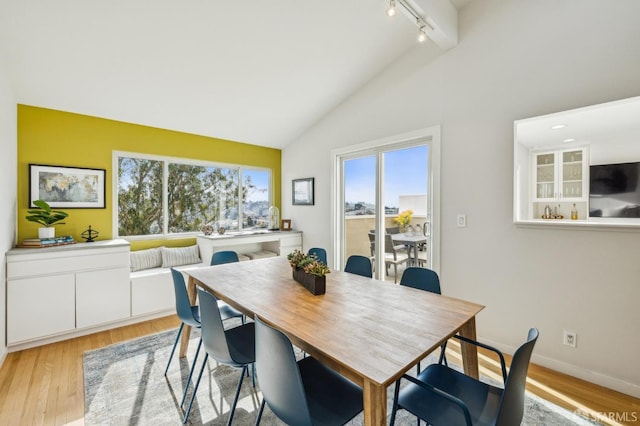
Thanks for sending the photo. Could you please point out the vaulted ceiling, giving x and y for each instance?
(256, 72)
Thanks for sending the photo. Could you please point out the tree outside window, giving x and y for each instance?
(200, 195)
(197, 194)
(139, 196)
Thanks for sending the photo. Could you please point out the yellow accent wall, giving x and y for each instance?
(58, 138)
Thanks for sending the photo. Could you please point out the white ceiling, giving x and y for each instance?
(259, 72)
(609, 124)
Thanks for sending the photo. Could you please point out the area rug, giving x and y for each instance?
(124, 384)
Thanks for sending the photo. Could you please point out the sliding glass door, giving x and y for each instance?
(360, 206)
(384, 203)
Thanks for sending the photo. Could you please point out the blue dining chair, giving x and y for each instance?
(427, 280)
(441, 395)
(360, 265)
(234, 347)
(190, 315)
(304, 392)
(221, 258)
(320, 253)
(225, 256)
(422, 279)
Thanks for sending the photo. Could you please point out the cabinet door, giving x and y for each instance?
(39, 307)
(545, 174)
(102, 296)
(152, 293)
(290, 243)
(573, 165)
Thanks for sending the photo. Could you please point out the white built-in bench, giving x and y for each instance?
(151, 282)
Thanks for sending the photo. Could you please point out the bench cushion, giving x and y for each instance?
(146, 259)
(176, 256)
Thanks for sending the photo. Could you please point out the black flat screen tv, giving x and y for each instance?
(614, 190)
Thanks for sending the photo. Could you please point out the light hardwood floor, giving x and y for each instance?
(44, 385)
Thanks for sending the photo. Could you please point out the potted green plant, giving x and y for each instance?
(298, 259)
(317, 268)
(309, 271)
(46, 217)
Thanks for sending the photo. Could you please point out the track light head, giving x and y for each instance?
(422, 35)
(391, 11)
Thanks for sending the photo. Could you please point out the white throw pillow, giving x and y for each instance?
(177, 256)
(146, 259)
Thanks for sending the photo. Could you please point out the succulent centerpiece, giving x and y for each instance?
(309, 271)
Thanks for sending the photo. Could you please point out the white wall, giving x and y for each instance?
(8, 160)
(515, 59)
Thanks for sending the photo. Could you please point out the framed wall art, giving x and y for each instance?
(302, 192)
(67, 187)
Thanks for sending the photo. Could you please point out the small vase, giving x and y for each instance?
(315, 284)
(298, 275)
(49, 232)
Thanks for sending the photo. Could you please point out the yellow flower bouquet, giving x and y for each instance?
(403, 219)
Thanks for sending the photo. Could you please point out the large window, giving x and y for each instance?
(160, 196)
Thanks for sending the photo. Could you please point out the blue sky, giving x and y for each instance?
(405, 173)
(259, 178)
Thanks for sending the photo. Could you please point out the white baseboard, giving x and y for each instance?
(588, 375)
(575, 371)
(3, 355)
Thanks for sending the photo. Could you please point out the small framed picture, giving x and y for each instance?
(67, 187)
(285, 225)
(302, 192)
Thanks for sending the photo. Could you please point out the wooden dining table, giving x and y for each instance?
(368, 330)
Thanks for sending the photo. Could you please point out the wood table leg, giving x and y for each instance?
(375, 404)
(469, 351)
(186, 332)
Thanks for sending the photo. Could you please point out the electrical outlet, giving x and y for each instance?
(462, 220)
(570, 338)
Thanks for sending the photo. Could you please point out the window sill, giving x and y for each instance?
(594, 225)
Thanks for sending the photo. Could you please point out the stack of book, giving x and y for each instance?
(47, 242)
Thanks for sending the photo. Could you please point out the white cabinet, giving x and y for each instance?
(57, 290)
(102, 296)
(40, 306)
(558, 180)
(289, 243)
(152, 292)
(560, 175)
(279, 242)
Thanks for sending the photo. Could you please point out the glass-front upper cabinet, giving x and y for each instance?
(560, 175)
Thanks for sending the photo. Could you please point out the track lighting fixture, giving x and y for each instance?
(391, 11)
(421, 22)
(422, 36)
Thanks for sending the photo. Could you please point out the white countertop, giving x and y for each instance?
(69, 247)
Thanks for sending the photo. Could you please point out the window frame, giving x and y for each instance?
(430, 136)
(166, 160)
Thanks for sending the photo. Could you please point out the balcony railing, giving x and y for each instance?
(357, 230)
